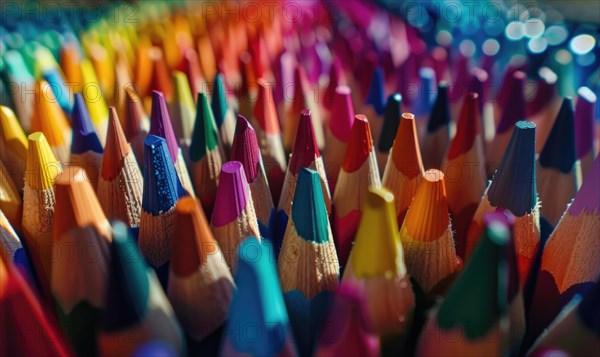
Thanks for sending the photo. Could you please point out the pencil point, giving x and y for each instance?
(48, 116)
(513, 186)
(161, 184)
(360, 144)
(135, 114)
(264, 109)
(245, 148)
(84, 133)
(342, 113)
(204, 137)
(468, 127)
(309, 213)
(440, 114)
(559, 150)
(391, 121)
(427, 217)
(232, 195)
(514, 108)
(406, 153)
(160, 123)
(305, 148)
(42, 167)
(426, 94)
(219, 100)
(116, 147)
(376, 97)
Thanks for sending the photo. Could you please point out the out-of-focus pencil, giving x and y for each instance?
(513, 188)
(86, 150)
(135, 123)
(404, 168)
(160, 125)
(79, 283)
(465, 159)
(38, 206)
(94, 99)
(479, 324)
(137, 309)
(424, 101)
(224, 116)
(11, 203)
(374, 106)
(205, 155)
(558, 171)
(182, 111)
(391, 122)
(544, 106)
(120, 182)
(359, 173)
(160, 79)
(377, 266)
(427, 236)
(308, 264)
(21, 78)
(193, 72)
(569, 260)
(257, 285)
(245, 149)
(162, 189)
(27, 331)
(345, 331)
(13, 146)
(200, 283)
(266, 123)
(233, 218)
(513, 111)
(584, 128)
(339, 126)
(437, 138)
(50, 119)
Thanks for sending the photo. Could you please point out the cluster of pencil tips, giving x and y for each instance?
(200, 182)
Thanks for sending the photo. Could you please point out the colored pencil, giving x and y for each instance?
(374, 106)
(192, 70)
(513, 188)
(160, 79)
(480, 84)
(11, 247)
(69, 63)
(511, 114)
(437, 138)
(479, 325)
(137, 309)
(143, 65)
(135, 123)
(575, 330)
(233, 218)
(544, 107)
(86, 150)
(49, 119)
(305, 154)
(79, 282)
(569, 260)
(183, 113)
(19, 76)
(26, 329)
(266, 122)
(13, 146)
(358, 174)
(257, 285)
(465, 164)
(11, 203)
(205, 155)
(224, 116)
(162, 189)
(200, 283)
(94, 99)
(160, 125)
(38, 205)
(558, 171)
(391, 122)
(427, 236)
(308, 263)
(339, 126)
(425, 99)
(245, 149)
(120, 183)
(335, 79)
(301, 100)
(345, 331)
(584, 128)
(104, 67)
(404, 168)
(377, 266)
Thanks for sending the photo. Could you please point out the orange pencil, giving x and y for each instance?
(120, 182)
(13, 146)
(427, 236)
(358, 174)
(50, 119)
(404, 167)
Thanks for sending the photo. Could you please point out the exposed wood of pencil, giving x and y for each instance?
(184, 175)
(156, 235)
(556, 191)
(13, 146)
(205, 174)
(10, 200)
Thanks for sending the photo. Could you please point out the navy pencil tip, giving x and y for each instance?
(162, 187)
(440, 114)
(391, 121)
(559, 150)
(84, 134)
(376, 97)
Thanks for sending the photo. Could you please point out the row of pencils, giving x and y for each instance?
(163, 191)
